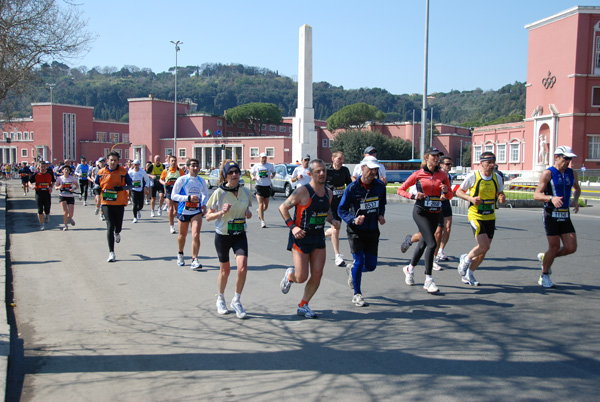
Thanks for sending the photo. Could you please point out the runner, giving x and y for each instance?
(139, 182)
(338, 177)
(82, 172)
(442, 234)
(362, 207)
(25, 174)
(262, 173)
(307, 236)
(229, 206)
(301, 174)
(168, 178)
(148, 189)
(191, 193)
(484, 187)
(554, 188)
(154, 172)
(432, 187)
(67, 185)
(42, 182)
(96, 190)
(113, 181)
(381, 173)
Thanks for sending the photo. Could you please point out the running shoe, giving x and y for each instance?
(358, 300)
(41, 227)
(118, 237)
(469, 279)
(180, 260)
(24, 194)
(96, 211)
(80, 198)
(139, 215)
(195, 264)
(442, 257)
(236, 306)
(71, 221)
(85, 204)
(135, 220)
(463, 267)
(172, 229)
(430, 286)
(221, 306)
(540, 258)
(350, 280)
(147, 202)
(102, 218)
(545, 281)
(152, 214)
(406, 244)
(306, 312)
(409, 278)
(165, 207)
(66, 228)
(437, 267)
(285, 282)
(263, 224)
(47, 218)
(159, 212)
(111, 257)
(339, 260)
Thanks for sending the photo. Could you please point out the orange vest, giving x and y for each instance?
(108, 180)
(43, 182)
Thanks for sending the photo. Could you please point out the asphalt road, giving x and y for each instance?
(144, 329)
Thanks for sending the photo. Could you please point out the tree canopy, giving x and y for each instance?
(256, 114)
(355, 115)
(354, 142)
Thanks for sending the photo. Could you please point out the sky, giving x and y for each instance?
(356, 44)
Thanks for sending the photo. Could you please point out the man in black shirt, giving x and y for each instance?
(338, 177)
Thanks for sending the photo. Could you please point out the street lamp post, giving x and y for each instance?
(460, 152)
(175, 154)
(424, 113)
(51, 87)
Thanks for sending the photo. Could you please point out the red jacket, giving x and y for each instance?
(427, 182)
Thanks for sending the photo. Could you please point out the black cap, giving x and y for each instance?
(370, 150)
(433, 151)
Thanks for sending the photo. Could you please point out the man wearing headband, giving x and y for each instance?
(554, 189)
(482, 188)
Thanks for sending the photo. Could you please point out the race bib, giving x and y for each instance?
(262, 173)
(236, 226)
(338, 191)
(486, 208)
(137, 184)
(192, 206)
(66, 188)
(84, 175)
(44, 186)
(561, 213)
(171, 182)
(370, 205)
(109, 195)
(433, 203)
(317, 220)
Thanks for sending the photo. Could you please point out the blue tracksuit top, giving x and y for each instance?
(357, 200)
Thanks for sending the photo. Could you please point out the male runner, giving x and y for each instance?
(42, 182)
(370, 151)
(168, 178)
(262, 173)
(154, 172)
(484, 187)
(25, 173)
(554, 189)
(82, 172)
(139, 180)
(307, 236)
(301, 175)
(442, 234)
(338, 177)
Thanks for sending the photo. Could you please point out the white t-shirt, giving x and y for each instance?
(470, 181)
(139, 179)
(66, 185)
(301, 170)
(263, 173)
(236, 214)
(358, 171)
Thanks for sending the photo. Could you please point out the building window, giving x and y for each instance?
(241, 124)
(219, 123)
(31, 134)
(229, 124)
(125, 137)
(25, 136)
(501, 156)
(270, 152)
(476, 153)
(331, 143)
(282, 129)
(168, 151)
(127, 154)
(594, 146)
(19, 136)
(273, 128)
(240, 134)
(489, 147)
(182, 152)
(5, 135)
(230, 134)
(324, 143)
(114, 138)
(12, 136)
(596, 95)
(24, 153)
(254, 152)
(515, 152)
(106, 152)
(101, 137)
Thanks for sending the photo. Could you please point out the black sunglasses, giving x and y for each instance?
(448, 164)
(567, 158)
(233, 171)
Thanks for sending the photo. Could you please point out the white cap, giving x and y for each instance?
(136, 162)
(566, 151)
(371, 162)
(263, 154)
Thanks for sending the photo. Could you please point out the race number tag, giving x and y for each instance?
(370, 205)
(66, 188)
(137, 184)
(236, 226)
(433, 202)
(262, 173)
(486, 207)
(109, 195)
(338, 191)
(561, 213)
(44, 186)
(317, 220)
(192, 206)
(83, 175)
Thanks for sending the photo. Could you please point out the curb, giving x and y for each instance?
(4, 327)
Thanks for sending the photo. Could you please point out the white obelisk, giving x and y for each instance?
(304, 135)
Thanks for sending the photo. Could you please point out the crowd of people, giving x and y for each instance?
(324, 194)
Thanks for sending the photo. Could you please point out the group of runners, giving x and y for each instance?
(324, 194)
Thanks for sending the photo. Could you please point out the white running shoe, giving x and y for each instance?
(339, 260)
(359, 301)
(437, 267)
(463, 267)
(430, 286)
(42, 227)
(221, 306)
(469, 279)
(239, 310)
(118, 237)
(409, 278)
(406, 244)
(263, 224)
(111, 257)
(195, 264)
(147, 202)
(540, 258)
(545, 281)
(350, 280)
(80, 198)
(172, 229)
(85, 204)
(96, 211)
(285, 282)
(180, 260)
(71, 221)
(159, 212)
(152, 214)
(135, 220)
(306, 312)
(442, 257)
(102, 218)
(24, 194)
(165, 207)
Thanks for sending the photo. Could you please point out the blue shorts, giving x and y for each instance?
(188, 218)
(308, 244)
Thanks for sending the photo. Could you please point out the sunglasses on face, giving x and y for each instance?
(448, 164)
(233, 171)
(567, 158)
(194, 165)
